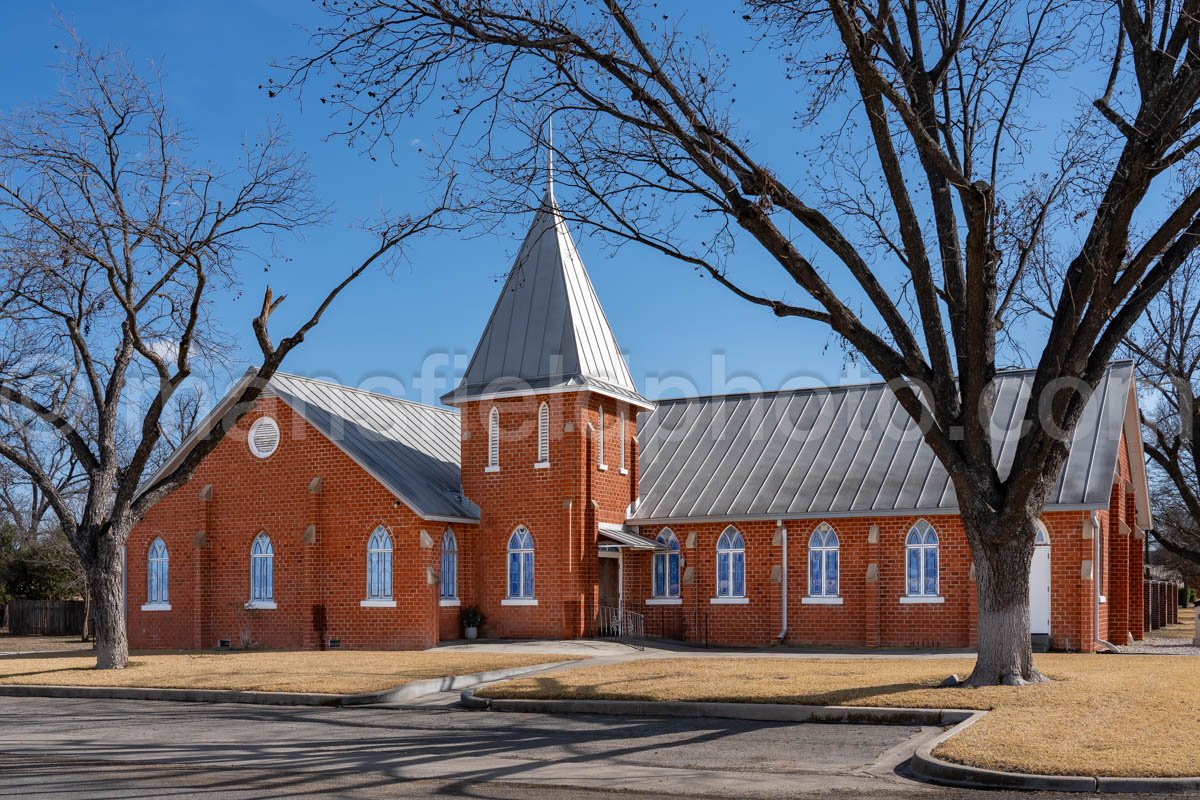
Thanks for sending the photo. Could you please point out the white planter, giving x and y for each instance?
(471, 633)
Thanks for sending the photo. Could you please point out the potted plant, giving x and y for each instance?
(472, 620)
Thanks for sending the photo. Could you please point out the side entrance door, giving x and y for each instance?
(1039, 586)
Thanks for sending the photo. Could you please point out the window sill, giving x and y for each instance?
(624, 471)
(491, 469)
(664, 601)
(729, 601)
(821, 600)
(378, 602)
(542, 465)
(519, 601)
(921, 599)
(1103, 599)
(449, 602)
(266, 605)
(156, 607)
(604, 467)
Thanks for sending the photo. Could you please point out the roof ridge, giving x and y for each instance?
(380, 395)
(1005, 372)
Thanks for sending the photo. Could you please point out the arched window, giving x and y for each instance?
(494, 439)
(600, 441)
(379, 565)
(823, 566)
(622, 433)
(157, 572)
(543, 453)
(262, 570)
(666, 565)
(1041, 537)
(520, 564)
(731, 564)
(921, 559)
(449, 565)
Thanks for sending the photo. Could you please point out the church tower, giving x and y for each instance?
(549, 451)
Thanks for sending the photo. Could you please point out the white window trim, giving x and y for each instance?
(821, 600)
(493, 441)
(381, 600)
(443, 599)
(821, 597)
(623, 471)
(541, 465)
(266, 605)
(730, 598)
(921, 599)
(921, 547)
(156, 607)
(521, 599)
(664, 601)
(622, 432)
(729, 601)
(672, 599)
(600, 442)
(449, 602)
(543, 429)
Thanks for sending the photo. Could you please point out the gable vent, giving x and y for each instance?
(263, 437)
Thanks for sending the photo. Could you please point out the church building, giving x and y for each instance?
(553, 496)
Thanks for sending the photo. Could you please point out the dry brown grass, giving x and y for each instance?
(1184, 630)
(37, 644)
(340, 672)
(1101, 715)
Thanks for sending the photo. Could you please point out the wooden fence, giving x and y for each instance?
(45, 617)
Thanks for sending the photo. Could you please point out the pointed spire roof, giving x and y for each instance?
(547, 330)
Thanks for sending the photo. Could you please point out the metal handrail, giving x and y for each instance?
(621, 625)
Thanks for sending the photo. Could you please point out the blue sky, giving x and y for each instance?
(669, 321)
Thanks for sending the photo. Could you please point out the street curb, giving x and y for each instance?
(173, 695)
(397, 694)
(761, 712)
(923, 765)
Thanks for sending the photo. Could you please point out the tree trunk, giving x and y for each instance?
(87, 610)
(106, 581)
(1002, 564)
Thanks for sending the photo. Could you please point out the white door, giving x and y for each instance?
(1039, 590)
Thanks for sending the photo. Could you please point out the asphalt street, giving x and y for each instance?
(115, 749)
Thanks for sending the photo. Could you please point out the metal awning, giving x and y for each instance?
(626, 538)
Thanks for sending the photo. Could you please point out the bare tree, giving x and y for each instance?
(918, 196)
(1167, 347)
(115, 248)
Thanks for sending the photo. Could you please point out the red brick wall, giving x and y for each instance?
(871, 613)
(318, 586)
(561, 506)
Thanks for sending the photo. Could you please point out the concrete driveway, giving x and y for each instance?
(109, 749)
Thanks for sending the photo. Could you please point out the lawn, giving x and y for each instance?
(336, 672)
(1184, 630)
(1125, 715)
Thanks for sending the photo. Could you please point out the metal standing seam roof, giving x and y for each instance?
(844, 451)
(410, 448)
(547, 329)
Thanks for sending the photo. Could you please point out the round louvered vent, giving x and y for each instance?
(263, 437)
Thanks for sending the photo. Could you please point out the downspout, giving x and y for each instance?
(783, 580)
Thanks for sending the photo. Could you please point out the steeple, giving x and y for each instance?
(547, 330)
